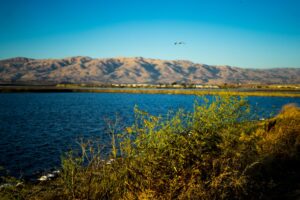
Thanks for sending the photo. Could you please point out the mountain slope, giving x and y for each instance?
(135, 70)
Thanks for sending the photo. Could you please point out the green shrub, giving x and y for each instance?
(214, 152)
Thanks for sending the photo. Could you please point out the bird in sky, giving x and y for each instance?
(179, 43)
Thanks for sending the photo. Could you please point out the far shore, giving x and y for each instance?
(282, 92)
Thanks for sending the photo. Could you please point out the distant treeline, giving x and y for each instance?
(180, 85)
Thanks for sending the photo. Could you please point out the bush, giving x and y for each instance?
(214, 152)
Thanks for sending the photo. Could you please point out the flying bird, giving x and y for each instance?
(179, 43)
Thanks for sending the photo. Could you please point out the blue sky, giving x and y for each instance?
(243, 33)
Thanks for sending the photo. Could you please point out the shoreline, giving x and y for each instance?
(263, 144)
(234, 92)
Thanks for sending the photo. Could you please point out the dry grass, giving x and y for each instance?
(232, 92)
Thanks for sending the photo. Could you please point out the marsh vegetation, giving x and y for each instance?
(284, 91)
(214, 152)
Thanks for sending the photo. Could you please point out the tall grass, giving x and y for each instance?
(214, 152)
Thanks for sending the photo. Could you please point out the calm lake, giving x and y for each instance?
(37, 128)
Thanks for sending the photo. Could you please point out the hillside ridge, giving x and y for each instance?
(84, 69)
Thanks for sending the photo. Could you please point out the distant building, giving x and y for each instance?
(198, 86)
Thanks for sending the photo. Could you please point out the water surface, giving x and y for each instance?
(36, 128)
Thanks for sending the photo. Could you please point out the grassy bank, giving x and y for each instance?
(235, 92)
(214, 152)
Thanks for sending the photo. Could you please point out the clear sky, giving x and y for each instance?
(243, 33)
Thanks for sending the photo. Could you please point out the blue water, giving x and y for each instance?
(36, 128)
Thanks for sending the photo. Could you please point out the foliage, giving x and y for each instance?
(214, 152)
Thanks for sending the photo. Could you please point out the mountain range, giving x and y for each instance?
(135, 70)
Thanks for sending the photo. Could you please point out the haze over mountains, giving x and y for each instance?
(135, 70)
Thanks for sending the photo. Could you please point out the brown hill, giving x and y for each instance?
(135, 70)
